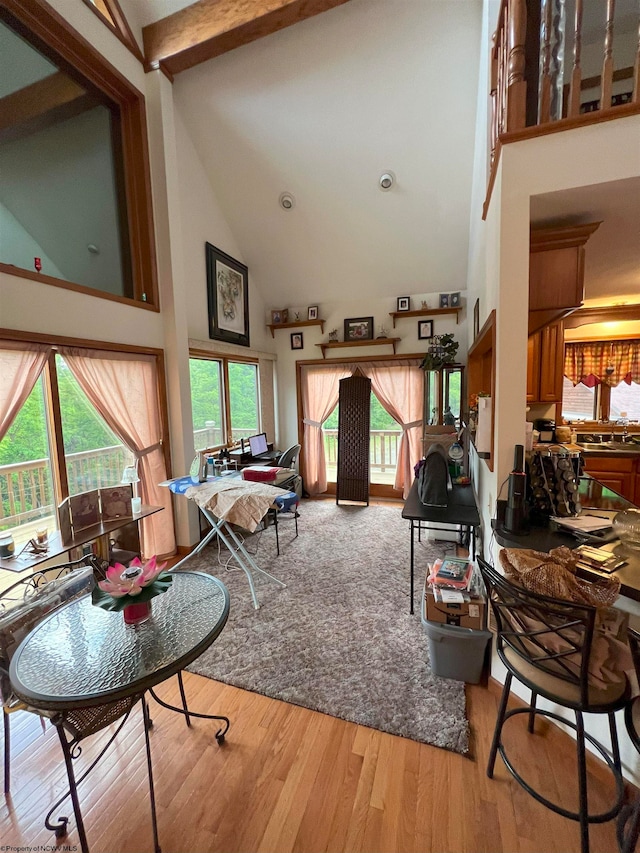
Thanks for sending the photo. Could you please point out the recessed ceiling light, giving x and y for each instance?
(386, 181)
(287, 201)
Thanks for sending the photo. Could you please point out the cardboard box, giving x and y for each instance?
(467, 614)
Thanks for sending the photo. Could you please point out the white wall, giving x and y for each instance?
(24, 248)
(334, 313)
(582, 157)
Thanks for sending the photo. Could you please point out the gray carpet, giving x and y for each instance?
(339, 639)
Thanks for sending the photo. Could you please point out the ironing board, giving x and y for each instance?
(225, 501)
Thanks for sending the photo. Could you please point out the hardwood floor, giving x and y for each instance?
(290, 779)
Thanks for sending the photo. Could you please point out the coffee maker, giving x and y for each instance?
(515, 517)
(547, 429)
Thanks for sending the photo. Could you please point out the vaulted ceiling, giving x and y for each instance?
(321, 109)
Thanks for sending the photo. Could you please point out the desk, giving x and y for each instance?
(56, 546)
(82, 657)
(460, 510)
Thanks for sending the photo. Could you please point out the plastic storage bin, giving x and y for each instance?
(456, 652)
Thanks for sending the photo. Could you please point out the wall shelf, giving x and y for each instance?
(424, 312)
(296, 324)
(371, 342)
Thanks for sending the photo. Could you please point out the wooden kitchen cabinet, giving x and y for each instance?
(616, 472)
(545, 364)
(556, 272)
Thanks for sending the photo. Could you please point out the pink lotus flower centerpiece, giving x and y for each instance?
(129, 586)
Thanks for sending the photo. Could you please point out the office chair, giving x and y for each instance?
(546, 644)
(289, 458)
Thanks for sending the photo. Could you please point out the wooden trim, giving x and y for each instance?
(604, 314)
(492, 178)
(119, 26)
(212, 356)
(543, 238)
(610, 114)
(42, 25)
(210, 28)
(482, 350)
(61, 340)
(295, 324)
(163, 404)
(326, 361)
(9, 269)
(372, 342)
(56, 440)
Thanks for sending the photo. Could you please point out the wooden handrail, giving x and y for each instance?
(519, 60)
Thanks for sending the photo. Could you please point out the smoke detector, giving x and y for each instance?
(386, 181)
(286, 201)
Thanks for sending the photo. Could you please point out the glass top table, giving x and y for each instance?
(82, 656)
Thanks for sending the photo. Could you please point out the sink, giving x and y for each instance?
(609, 445)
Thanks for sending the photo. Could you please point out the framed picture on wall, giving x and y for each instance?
(228, 297)
(358, 329)
(425, 330)
(296, 341)
(403, 303)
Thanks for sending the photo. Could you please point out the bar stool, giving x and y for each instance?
(546, 643)
(628, 828)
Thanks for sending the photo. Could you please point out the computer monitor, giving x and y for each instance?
(258, 444)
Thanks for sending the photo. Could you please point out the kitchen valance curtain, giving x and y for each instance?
(606, 362)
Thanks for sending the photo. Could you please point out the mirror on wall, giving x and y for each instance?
(62, 199)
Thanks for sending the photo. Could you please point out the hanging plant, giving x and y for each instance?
(442, 350)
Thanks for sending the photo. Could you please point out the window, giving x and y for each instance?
(607, 377)
(58, 445)
(225, 400)
(95, 458)
(625, 402)
(26, 472)
(74, 126)
(578, 402)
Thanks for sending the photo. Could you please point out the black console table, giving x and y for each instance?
(461, 510)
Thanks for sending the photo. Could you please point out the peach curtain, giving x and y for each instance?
(20, 366)
(400, 389)
(124, 389)
(320, 389)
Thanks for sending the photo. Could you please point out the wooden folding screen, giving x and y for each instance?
(353, 440)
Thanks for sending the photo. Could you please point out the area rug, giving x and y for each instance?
(339, 639)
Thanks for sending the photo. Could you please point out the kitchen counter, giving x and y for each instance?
(593, 495)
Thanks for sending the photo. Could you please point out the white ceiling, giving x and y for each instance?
(323, 108)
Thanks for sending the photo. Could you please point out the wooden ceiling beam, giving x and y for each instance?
(41, 104)
(209, 28)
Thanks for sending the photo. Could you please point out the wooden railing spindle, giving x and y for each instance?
(607, 65)
(545, 50)
(576, 73)
(636, 68)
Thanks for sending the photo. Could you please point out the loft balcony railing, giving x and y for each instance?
(559, 64)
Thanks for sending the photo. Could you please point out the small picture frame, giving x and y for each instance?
(279, 316)
(403, 303)
(476, 319)
(116, 502)
(425, 330)
(85, 510)
(444, 300)
(297, 340)
(358, 329)
(64, 520)
(454, 300)
(312, 312)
